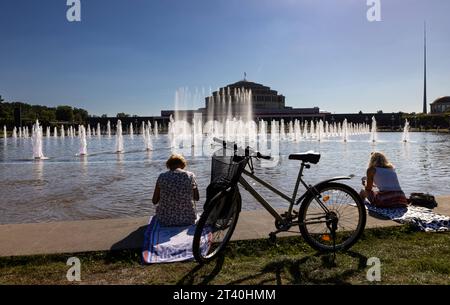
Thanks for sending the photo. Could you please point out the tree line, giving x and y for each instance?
(48, 116)
(426, 121)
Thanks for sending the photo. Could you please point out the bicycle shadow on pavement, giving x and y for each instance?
(314, 269)
(203, 274)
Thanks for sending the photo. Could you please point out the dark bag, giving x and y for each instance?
(223, 205)
(423, 200)
(216, 187)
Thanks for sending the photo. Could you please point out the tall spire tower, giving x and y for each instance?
(425, 68)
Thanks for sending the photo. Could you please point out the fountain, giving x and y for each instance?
(274, 132)
(320, 131)
(4, 132)
(131, 131)
(405, 137)
(148, 139)
(83, 142)
(305, 129)
(197, 130)
(345, 131)
(291, 131)
(119, 137)
(55, 132)
(149, 125)
(373, 131)
(14, 133)
(297, 131)
(143, 129)
(36, 143)
(155, 130)
(99, 131)
(282, 130)
(108, 129)
(62, 131)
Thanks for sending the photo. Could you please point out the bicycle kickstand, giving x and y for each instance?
(333, 236)
(273, 237)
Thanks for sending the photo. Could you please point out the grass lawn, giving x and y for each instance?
(407, 257)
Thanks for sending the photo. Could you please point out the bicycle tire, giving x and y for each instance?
(212, 225)
(321, 240)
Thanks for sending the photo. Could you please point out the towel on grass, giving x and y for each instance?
(422, 218)
(169, 244)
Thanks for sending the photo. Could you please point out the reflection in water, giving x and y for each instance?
(120, 162)
(406, 150)
(149, 155)
(84, 165)
(108, 185)
(38, 170)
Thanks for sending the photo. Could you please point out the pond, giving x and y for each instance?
(109, 185)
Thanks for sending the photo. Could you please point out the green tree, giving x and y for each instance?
(47, 116)
(64, 113)
(80, 115)
(122, 115)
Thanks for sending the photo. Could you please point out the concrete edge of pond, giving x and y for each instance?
(127, 233)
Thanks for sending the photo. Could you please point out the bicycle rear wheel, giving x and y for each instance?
(216, 225)
(346, 212)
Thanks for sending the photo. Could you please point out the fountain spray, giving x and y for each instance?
(119, 137)
(36, 143)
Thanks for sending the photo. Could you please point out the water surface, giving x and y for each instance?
(107, 185)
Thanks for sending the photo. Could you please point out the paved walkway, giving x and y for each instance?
(127, 233)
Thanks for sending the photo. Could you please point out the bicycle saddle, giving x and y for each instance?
(310, 157)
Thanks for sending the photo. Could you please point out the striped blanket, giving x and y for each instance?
(168, 244)
(422, 218)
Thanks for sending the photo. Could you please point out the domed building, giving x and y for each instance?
(262, 97)
(248, 100)
(441, 105)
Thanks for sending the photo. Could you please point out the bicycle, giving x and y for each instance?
(321, 218)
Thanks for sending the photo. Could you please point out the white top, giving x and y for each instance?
(386, 179)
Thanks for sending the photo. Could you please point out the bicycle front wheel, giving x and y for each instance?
(216, 225)
(340, 227)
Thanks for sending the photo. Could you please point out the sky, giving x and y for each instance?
(132, 56)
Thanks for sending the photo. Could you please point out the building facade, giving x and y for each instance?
(243, 99)
(267, 104)
(441, 105)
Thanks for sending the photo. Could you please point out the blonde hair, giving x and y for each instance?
(378, 159)
(176, 161)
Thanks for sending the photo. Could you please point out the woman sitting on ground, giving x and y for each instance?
(381, 174)
(175, 193)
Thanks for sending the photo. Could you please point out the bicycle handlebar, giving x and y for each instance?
(261, 156)
(226, 144)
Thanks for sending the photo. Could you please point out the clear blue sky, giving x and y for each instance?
(131, 56)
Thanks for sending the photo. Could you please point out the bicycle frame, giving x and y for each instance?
(292, 200)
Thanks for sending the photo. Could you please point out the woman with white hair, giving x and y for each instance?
(175, 194)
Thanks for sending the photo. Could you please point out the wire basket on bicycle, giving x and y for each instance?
(225, 172)
(224, 166)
